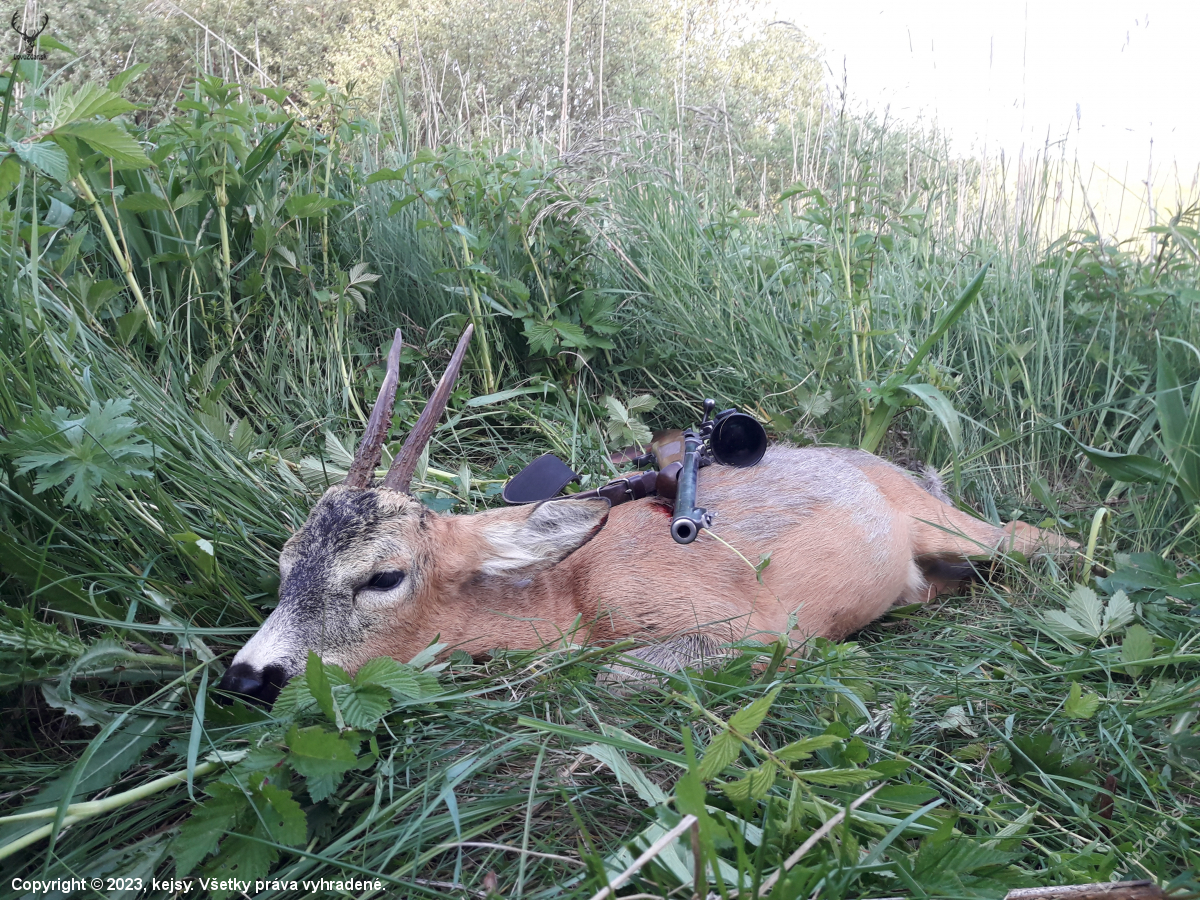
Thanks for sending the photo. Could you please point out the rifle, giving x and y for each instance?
(730, 438)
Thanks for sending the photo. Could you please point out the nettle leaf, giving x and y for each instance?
(1118, 613)
(88, 450)
(1138, 645)
(187, 198)
(241, 858)
(721, 752)
(322, 757)
(940, 867)
(746, 720)
(283, 820)
(271, 816)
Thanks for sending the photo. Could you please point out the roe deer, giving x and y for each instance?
(374, 573)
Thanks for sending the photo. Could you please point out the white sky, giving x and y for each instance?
(1007, 72)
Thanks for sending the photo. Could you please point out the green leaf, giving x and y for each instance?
(87, 450)
(940, 407)
(627, 773)
(111, 140)
(210, 821)
(1180, 428)
(284, 820)
(47, 157)
(318, 685)
(386, 174)
(241, 858)
(642, 403)
(321, 757)
(1117, 612)
(723, 750)
(837, 777)
(197, 549)
(940, 866)
(305, 206)
(1138, 645)
(398, 205)
(10, 174)
(187, 198)
(1129, 467)
(69, 105)
(746, 720)
(144, 201)
(119, 81)
(404, 682)
(756, 784)
(1078, 706)
(364, 705)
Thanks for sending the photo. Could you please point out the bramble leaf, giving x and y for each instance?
(111, 140)
(746, 720)
(322, 757)
(1078, 706)
(721, 752)
(364, 705)
(1138, 645)
(837, 777)
(803, 749)
(210, 822)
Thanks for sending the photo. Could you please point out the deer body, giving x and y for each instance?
(848, 534)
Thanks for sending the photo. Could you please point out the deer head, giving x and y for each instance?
(372, 572)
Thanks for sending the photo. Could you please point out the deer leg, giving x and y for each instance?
(943, 531)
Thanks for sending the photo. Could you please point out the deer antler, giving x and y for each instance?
(362, 470)
(399, 476)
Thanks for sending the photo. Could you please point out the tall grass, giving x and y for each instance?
(1015, 750)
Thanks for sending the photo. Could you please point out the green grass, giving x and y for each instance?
(1009, 750)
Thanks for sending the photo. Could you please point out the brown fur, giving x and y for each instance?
(849, 536)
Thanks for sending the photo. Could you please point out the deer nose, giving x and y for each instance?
(261, 686)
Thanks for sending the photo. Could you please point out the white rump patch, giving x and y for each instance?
(551, 532)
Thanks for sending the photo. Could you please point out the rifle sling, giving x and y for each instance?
(634, 487)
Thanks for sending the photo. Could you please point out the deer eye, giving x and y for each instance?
(384, 581)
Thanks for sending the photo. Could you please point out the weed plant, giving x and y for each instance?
(194, 319)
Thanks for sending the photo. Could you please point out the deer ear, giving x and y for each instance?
(548, 534)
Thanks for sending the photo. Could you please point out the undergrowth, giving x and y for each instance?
(195, 316)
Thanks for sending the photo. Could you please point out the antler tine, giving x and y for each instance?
(362, 470)
(399, 476)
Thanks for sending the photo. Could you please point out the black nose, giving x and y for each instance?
(260, 686)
